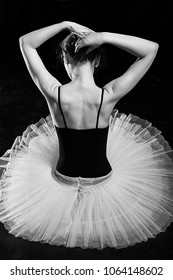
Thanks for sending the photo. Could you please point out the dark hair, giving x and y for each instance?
(67, 46)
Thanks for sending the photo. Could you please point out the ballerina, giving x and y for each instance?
(87, 175)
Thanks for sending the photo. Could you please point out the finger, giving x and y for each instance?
(85, 33)
(81, 35)
(79, 44)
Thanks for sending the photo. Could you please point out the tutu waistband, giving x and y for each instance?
(81, 181)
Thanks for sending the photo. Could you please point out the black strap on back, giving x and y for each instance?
(98, 114)
(59, 103)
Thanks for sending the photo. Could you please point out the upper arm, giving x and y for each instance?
(125, 83)
(40, 75)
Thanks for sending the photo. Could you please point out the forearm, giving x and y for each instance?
(135, 45)
(36, 38)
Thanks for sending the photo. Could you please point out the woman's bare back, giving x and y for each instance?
(80, 107)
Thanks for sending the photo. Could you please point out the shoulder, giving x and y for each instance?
(109, 94)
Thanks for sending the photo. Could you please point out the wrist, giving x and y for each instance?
(67, 25)
(103, 37)
(106, 37)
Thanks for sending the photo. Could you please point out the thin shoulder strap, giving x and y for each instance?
(98, 114)
(59, 103)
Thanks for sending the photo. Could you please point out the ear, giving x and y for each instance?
(97, 62)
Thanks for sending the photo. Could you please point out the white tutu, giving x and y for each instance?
(131, 205)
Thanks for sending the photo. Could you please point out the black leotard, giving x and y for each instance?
(82, 152)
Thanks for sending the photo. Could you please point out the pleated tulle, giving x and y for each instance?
(134, 204)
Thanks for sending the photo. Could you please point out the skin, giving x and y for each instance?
(80, 98)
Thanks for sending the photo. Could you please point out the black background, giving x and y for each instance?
(21, 103)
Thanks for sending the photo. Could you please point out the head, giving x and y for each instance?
(72, 59)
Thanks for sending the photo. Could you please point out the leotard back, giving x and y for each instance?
(82, 152)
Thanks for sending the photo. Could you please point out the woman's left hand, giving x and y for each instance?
(91, 40)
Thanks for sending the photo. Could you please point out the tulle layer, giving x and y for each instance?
(133, 204)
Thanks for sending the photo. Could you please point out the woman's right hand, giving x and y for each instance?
(92, 40)
(79, 29)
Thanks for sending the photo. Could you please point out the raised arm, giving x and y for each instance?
(144, 50)
(28, 45)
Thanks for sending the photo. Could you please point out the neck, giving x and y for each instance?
(83, 75)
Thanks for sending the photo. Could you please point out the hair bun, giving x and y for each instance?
(68, 46)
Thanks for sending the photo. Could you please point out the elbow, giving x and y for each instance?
(155, 47)
(21, 41)
(25, 42)
(153, 50)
